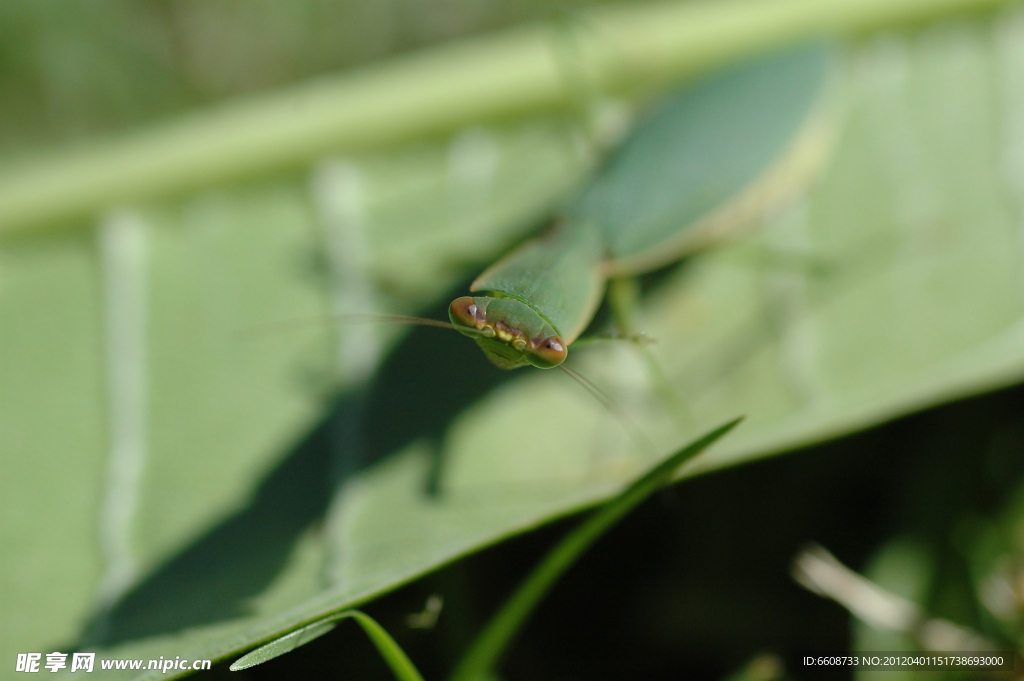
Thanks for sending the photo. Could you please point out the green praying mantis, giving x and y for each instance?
(710, 158)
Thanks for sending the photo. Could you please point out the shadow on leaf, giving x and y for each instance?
(422, 386)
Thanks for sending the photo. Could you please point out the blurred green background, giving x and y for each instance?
(193, 463)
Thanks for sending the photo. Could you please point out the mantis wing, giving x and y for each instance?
(711, 156)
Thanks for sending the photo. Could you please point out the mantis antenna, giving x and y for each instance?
(593, 390)
(610, 405)
(312, 322)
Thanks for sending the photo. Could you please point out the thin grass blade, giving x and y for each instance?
(492, 642)
(393, 655)
(287, 643)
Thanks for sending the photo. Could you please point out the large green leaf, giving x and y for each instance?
(895, 284)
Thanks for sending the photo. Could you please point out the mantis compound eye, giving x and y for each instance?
(462, 312)
(548, 353)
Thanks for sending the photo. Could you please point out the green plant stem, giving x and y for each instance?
(622, 51)
(492, 642)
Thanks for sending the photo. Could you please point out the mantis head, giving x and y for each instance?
(510, 332)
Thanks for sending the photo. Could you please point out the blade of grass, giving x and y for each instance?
(492, 642)
(287, 643)
(396, 659)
